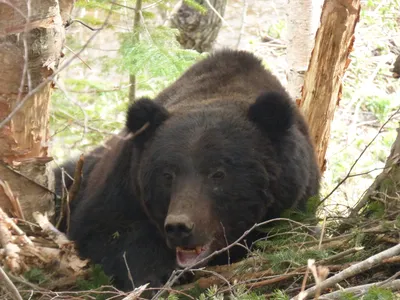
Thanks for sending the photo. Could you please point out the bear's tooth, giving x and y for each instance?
(198, 250)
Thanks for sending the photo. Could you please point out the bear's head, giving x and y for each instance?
(204, 174)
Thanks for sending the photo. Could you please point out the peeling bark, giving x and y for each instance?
(330, 58)
(31, 40)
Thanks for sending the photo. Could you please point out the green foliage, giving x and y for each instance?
(157, 56)
(91, 20)
(92, 110)
(380, 106)
(293, 257)
(278, 249)
(313, 204)
(93, 4)
(307, 216)
(374, 293)
(347, 296)
(173, 297)
(36, 276)
(97, 278)
(277, 29)
(279, 295)
(196, 5)
(211, 293)
(376, 209)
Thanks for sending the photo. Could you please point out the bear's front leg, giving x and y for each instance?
(144, 251)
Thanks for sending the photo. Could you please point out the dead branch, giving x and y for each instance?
(353, 270)
(58, 237)
(9, 285)
(77, 179)
(70, 194)
(340, 255)
(22, 254)
(11, 251)
(320, 273)
(393, 285)
(17, 210)
(11, 224)
(135, 294)
(392, 260)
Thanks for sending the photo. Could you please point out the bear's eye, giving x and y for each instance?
(168, 176)
(218, 175)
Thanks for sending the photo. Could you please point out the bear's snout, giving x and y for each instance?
(178, 227)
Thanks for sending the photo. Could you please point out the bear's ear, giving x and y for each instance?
(141, 112)
(273, 113)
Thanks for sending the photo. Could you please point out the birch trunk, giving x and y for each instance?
(329, 60)
(31, 40)
(302, 22)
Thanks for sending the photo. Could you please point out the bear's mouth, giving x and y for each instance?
(189, 256)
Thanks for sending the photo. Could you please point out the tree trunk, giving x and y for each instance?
(136, 36)
(322, 83)
(385, 190)
(31, 41)
(199, 30)
(302, 18)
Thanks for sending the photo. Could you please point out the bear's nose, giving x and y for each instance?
(178, 227)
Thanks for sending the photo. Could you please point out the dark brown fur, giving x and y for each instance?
(225, 147)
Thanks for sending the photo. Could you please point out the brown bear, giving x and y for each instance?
(220, 149)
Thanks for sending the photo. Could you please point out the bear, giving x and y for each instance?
(220, 149)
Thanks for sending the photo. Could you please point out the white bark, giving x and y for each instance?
(31, 40)
(303, 18)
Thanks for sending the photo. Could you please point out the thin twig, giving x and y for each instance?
(128, 270)
(354, 270)
(8, 284)
(69, 23)
(226, 241)
(322, 234)
(340, 255)
(359, 157)
(73, 52)
(65, 200)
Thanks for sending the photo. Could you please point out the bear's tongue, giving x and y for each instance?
(186, 257)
